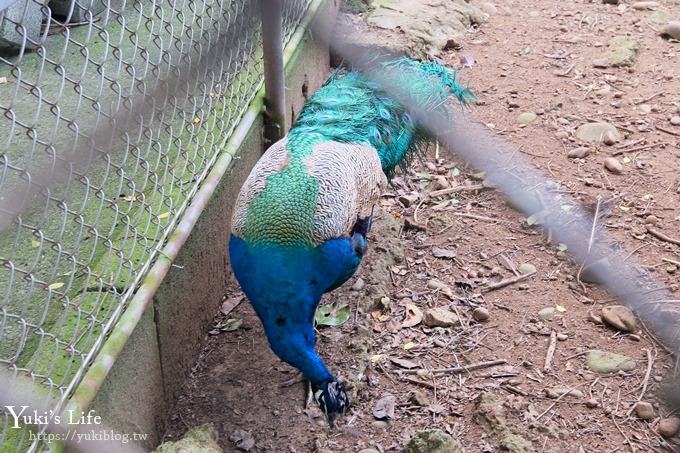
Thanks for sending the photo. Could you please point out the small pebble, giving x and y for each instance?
(613, 165)
(592, 403)
(644, 410)
(651, 219)
(675, 120)
(579, 153)
(562, 336)
(669, 427)
(480, 314)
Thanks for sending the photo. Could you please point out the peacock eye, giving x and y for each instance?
(376, 136)
(385, 114)
(407, 119)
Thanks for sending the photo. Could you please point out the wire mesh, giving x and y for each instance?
(125, 104)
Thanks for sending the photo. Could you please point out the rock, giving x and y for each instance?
(480, 314)
(369, 450)
(600, 63)
(619, 317)
(578, 153)
(641, 6)
(669, 427)
(358, 285)
(413, 316)
(660, 17)
(408, 200)
(382, 424)
(609, 138)
(419, 398)
(426, 31)
(384, 408)
(591, 271)
(547, 313)
(671, 29)
(651, 219)
(595, 132)
(29, 14)
(644, 410)
(242, 439)
(562, 134)
(562, 337)
(613, 165)
(440, 317)
(201, 439)
(556, 392)
(609, 362)
(622, 51)
(433, 283)
(526, 118)
(610, 2)
(434, 441)
(675, 120)
(439, 252)
(489, 8)
(526, 268)
(592, 403)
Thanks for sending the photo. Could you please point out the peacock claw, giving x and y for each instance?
(292, 381)
(310, 394)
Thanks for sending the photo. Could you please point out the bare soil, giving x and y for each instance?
(529, 56)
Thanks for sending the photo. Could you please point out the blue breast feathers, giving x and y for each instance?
(284, 285)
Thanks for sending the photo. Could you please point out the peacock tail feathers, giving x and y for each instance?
(350, 108)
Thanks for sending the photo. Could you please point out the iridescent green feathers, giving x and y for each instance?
(313, 185)
(349, 108)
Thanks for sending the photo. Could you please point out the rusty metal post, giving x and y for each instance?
(274, 75)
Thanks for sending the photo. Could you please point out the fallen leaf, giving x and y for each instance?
(163, 215)
(443, 253)
(560, 308)
(384, 408)
(242, 439)
(35, 243)
(231, 324)
(413, 316)
(56, 285)
(332, 314)
(376, 358)
(229, 304)
(410, 345)
(403, 363)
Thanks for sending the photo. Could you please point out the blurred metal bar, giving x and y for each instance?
(274, 76)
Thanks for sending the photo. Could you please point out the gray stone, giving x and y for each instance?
(526, 118)
(27, 13)
(622, 51)
(595, 132)
(675, 120)
(435, 441)
(547, 313)
(578, 153)
(609, 362)
(644, 410)
(672, 29)
(80, 9)
(440, 317)
(669, 427)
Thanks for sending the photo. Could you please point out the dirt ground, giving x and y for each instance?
(528, 57)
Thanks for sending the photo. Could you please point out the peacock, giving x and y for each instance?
(301, 218)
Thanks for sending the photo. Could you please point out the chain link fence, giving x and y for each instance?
(113, 113)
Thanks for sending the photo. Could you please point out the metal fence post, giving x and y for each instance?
(274, 76)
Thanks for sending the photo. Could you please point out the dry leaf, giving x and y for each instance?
(384, 408)
(403, 363)
(413, 316)
(56, 285)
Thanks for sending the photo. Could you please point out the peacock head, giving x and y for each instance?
(331, 398)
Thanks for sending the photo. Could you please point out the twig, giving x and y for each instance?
(645, 381)
(659, 235)
(668, 131)
(418, 382)
(559, 398)
(551, 351)
(507, 281)
(450, 190)
(648, 98)
(637, 148)
(458, 369)
(476, 217)
(668, 260)
(630, 444)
